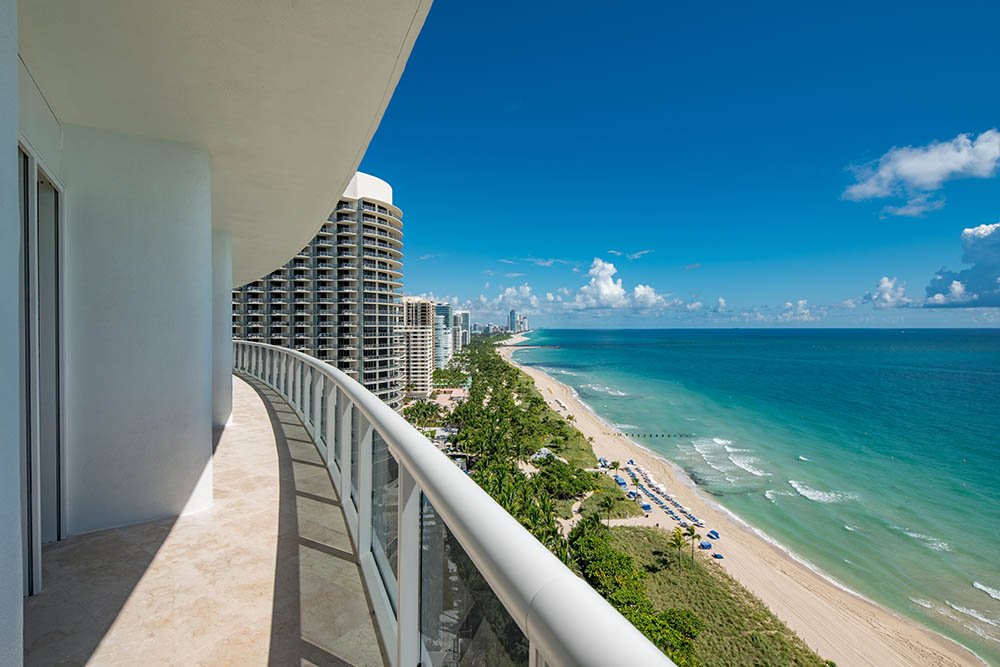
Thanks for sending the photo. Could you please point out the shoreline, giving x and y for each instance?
(835, 621)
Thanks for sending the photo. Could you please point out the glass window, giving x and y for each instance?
(385, 510)
(462, 622)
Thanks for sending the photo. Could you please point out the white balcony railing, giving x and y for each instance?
(437, 551)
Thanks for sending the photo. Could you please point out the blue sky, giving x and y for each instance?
(808, 165)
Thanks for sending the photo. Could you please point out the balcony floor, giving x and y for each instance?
(266, 576)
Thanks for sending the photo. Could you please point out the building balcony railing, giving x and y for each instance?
(416, 519)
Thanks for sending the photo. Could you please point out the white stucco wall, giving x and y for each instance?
(222, 327)
(137, 328)
(11, 618)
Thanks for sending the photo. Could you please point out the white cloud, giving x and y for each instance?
(506, 261)
(720, 306)
(915, 171)
(956, 294)
(616, 253)
(514, 274)
(980, 283)
(545, 262)
(694, 305)
(603, 291)
(692, 266)
(637, 255)
(645, 296)
(799, 311)
(889, 293)
(915, 207)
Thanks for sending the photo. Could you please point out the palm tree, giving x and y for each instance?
(677, 542)
(607, 504)
(616, 466)
(692, 535)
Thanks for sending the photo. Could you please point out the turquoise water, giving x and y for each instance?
(873, 454)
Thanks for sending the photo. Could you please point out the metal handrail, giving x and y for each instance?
(565, 621)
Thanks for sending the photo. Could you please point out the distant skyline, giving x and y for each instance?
(689, 166)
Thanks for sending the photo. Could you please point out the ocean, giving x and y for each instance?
(872, 454)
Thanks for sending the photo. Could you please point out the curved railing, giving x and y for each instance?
(436, 551)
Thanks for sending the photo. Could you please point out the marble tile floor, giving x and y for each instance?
(266, 576)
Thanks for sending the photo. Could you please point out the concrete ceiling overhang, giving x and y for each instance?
(284, 95)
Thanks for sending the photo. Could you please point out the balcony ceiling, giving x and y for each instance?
(284, 95)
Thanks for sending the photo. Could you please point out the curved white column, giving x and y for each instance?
(137, 328)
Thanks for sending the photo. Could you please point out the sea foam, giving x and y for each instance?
(992, 592)
(605, 389)
(820, 496)
(926, 604)
(978, 615)
(772, 494)
(929, 541)
(746, 463)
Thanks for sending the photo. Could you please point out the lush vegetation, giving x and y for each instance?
(452, 376)
(738, 629)
(614, 574)
(423, 414)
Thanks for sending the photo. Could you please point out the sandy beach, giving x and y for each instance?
(837, 624)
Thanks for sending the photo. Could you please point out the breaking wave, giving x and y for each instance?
(802, 458)
(992, 592)
(926, 604)
(605, 389)
(746, 463)
(772, 494)
(820, 496)
(625, 426)
(978, 615)
(929, 541)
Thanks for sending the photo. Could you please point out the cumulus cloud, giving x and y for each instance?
(694, 305)
(978, 285)
(914, 172)
(720, 306)
(956, 294)
(602, 291)
(889, 293)
(798, 311)
(645, 296)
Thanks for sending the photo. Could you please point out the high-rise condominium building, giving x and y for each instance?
(417, 336)
(464, 322)
(512, 321)
(337, 299)
(443, 339)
